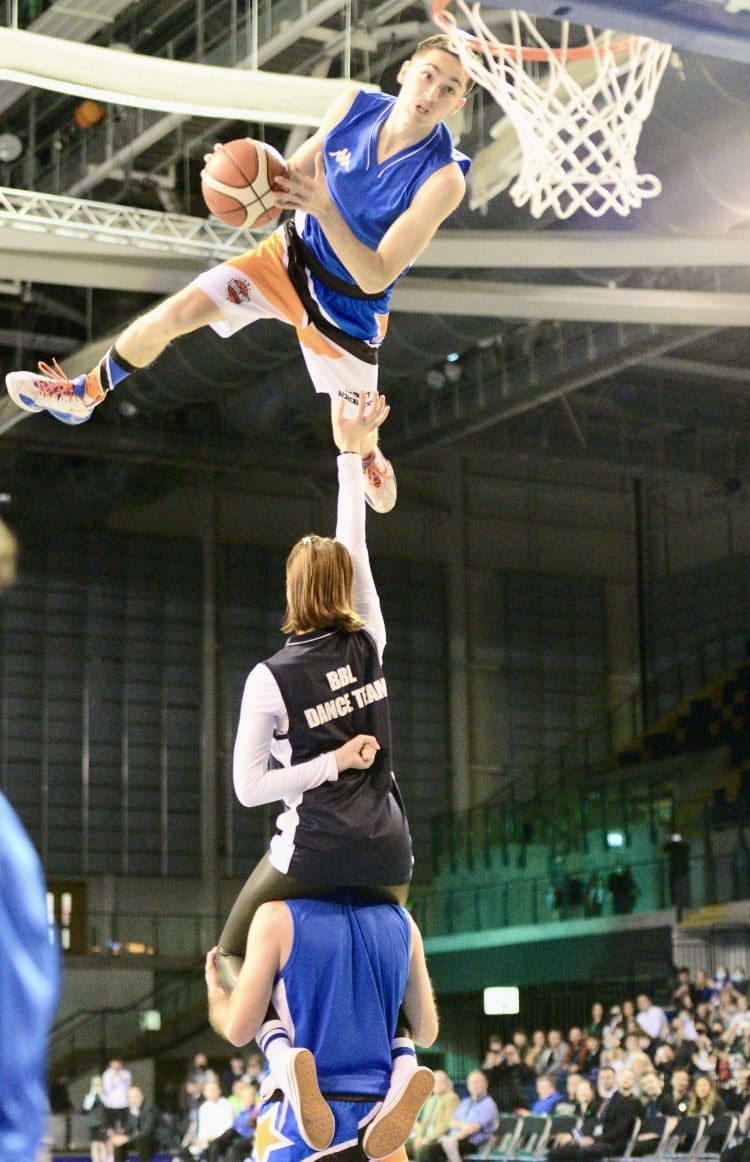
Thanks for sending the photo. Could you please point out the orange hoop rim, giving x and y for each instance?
(583, 52)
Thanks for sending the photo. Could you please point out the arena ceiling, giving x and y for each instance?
(586, 343)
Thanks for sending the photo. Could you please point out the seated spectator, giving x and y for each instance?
(552, 1057)
(651, 1018)
(639, 1063)
(254, 1069)
(236, 1142)
(536, 1048)
(702, 987)
(705, 1100)
(626, 1085)
(95, 1110)
(547, 1095)
(595, 1026)
(704, 1060)
(664, 1062)
(507, 1080)
(682, 1038)
(738, 977)
(614, 1024)
(521, 1042)
(585, 1105)
(606, 1134)
(435, 1116)
(654, 1099)
(471, 1125)
(739, 1024)
(191, 1094)
(568, 1103)
(215, 1115)
(235, 1071)
(614, 1054)
(494, 1052)
(591, 1056)
(737, 1096)
(138, 1133)
(685, 995)
(576, 1049)
(681, 1093)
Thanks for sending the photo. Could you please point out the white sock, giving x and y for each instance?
(273, 1042)
(403, 1064)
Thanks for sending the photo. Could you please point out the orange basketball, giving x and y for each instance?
(237, 182)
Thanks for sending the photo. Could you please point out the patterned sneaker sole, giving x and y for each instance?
(381, 491)
(314, 1116)
(389, 1130)
(228, 967)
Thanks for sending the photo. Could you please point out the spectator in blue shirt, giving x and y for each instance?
(547, 1095)
(471, 1126)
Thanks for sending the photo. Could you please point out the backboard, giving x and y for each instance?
(713, 27)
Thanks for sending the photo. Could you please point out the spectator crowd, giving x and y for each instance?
(619, 1073)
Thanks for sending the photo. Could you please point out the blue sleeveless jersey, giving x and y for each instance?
(369, 197)
(29, 983)
(339, 992)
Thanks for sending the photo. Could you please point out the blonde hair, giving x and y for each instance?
(319, 578)
(445, 43)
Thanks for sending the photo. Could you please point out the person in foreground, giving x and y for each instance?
(337, 970)
(29, 967)
(369, 189)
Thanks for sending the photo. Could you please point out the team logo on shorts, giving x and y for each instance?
(238, 290)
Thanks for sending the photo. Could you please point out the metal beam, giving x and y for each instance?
(556, 249)
(471, 297)
(725, 374)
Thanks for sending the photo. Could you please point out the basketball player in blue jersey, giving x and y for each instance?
(336, 971)
(369, 190)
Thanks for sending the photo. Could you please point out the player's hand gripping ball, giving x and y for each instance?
(237, 182)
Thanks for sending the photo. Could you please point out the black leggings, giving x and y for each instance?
(265, 883)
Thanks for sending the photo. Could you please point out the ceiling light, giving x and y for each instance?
(11, 147)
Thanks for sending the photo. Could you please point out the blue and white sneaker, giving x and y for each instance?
(72, 401)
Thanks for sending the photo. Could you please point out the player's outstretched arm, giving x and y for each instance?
(419, 1000)
(350, 434)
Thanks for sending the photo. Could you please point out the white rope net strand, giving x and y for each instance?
(578, 121)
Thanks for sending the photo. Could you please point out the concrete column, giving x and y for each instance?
(459, 685)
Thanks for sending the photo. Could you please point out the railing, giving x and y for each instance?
(122, 1030)
(528, 790)
(543, 899)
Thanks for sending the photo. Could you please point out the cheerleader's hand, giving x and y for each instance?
(358, 754)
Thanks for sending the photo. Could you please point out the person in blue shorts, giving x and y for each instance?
(368, 190)
(336, 971)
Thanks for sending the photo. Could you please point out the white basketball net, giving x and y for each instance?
(578, 123)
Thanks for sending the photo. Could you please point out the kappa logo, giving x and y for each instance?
(238, 290)
(343, 157)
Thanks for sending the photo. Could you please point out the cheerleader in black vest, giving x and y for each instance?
(315, 732)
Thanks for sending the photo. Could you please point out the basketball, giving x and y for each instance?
(237, 182)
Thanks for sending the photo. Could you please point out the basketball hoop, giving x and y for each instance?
(578, 120)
